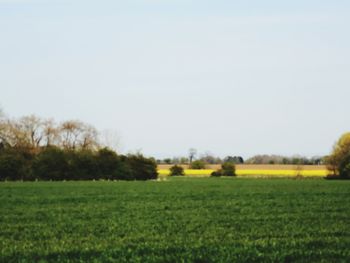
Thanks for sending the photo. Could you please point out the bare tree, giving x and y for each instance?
(32, 129)
(50, 133)
(89, 137)
(12, 135)
(192, 154)
(70, 131)
(76, 134)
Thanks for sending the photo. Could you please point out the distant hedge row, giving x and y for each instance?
(53, 163)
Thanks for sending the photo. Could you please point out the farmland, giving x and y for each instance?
(247, 170)
(178, 219)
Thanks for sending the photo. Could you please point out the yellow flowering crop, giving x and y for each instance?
(255, 172)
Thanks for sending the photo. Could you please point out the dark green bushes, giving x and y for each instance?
(15, 164)
(141, 168)
(177, 170)
(53, 163)
(227, 169)
(344, 166)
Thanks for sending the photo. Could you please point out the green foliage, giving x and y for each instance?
(11, 167)
(198, 164)
(227, 169)
(142, 168)
(339, 160)
(344, 166)
(177, 170)
(180, 220)
(167, 160)
(111, 166)
(15, 165)
(234, 159)
(52, 164)
(83, 165)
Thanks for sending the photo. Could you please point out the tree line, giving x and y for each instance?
(280, 159)
(32, 148)
(208, 159)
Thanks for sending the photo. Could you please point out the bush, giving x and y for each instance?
(227, 169)
(197, 165)
(217, 173)
(111, 166)
(13, 166)
(177, 170)
(141, 168)
(52, 164)
(83, 165)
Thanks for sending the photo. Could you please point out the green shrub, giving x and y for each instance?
(111, 166)
(177, 170)
(217, 173)
(83, 165)
(52, 164)
(198, 164)
(13, 166)
(141, 168)
(227, 169)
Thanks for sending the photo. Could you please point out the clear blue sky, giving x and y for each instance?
(229, 77)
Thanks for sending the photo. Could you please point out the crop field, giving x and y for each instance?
(257, 170)
(176, 220)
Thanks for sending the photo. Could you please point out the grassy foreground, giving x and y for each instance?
(178, 220)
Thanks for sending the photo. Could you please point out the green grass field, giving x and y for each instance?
(178, 220)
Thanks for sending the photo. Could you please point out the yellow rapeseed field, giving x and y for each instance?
(255, 172)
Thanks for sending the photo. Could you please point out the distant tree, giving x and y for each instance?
(198, 164)
(175, 160)
(50, 133)
(167, 161)
(78, 135)
(177, 170)
(192, 154)
(32, 129)
(234, 159)
(184, 160)
(210, 159)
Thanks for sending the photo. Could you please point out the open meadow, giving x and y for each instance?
(176, 220)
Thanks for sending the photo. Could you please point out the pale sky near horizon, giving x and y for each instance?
(227, 77)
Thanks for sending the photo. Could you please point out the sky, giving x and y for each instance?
(226, 77)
